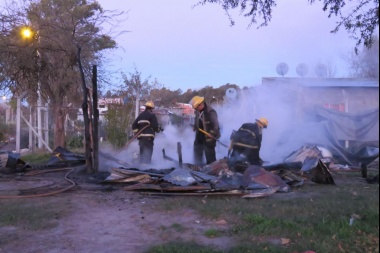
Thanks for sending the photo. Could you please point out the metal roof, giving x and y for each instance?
(323, 82)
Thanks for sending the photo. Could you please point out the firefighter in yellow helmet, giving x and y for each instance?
(246, 142)
(206, 121)
(145, 126)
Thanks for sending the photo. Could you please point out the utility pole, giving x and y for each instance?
(137, 103)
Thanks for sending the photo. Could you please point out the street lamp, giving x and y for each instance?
(28, 33)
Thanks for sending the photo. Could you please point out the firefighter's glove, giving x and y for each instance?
(210, 141)
(214, 135)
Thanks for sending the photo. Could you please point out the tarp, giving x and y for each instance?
(363, 127)
(329, 130)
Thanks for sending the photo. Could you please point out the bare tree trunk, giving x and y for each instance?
(59, 133)
(86, 119)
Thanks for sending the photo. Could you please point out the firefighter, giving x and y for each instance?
(206, 119)
(246, 142)
(145, 126)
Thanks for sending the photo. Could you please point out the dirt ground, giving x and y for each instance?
(99, 217)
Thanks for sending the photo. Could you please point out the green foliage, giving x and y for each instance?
(36, 158)
(213, 233)
(57, 64)
(136, 87)
(117, 122)
(361, 20)
(182, 247)
(30, 215)
(365, 63)
(318, 220)
(75, 142)
(178, 227)
(6, 131)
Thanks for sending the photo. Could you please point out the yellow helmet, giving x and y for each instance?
(149, 104)
(195, 101)
(263, 121)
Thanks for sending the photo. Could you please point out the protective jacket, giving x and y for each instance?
(146, 125)
(206, 120)
(148, 120)
(246, 144)
(248, 135)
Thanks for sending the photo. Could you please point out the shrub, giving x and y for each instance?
(117, 121)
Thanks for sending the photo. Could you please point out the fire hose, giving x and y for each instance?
(136, 135)
(48, 193)
(211, 136)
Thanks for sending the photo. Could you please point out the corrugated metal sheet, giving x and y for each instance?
(323, 82)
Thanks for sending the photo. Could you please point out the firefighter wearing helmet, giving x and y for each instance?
(206, 127)
(246, 142)
(145, 126)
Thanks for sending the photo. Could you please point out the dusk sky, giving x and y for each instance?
(189, 48)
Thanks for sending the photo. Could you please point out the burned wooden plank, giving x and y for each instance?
(167, 187)
(139, 178)
(111, 158)
(228, 193)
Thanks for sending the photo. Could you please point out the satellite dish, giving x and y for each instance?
(282, 68)
(320, 70)
(302, 69)
(231, 94)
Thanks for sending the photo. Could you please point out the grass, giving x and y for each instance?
(313, 217)
(317, 219)
(30, 214)
(36, 158)
(182, 247)
(213, 233)
(175, 227)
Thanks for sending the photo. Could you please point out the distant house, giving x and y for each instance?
(342, 94)
(103, 104)
(163, 116)
(338, 113)
(183, 114)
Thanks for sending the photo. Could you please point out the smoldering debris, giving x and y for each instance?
(59, 158)
(305, 165)
(308, 164)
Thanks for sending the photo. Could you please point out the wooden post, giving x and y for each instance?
(87, 137)
(96, 119)
(179, 150)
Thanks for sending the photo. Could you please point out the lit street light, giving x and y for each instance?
(28, 33)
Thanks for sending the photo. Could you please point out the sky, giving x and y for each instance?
(190, 48)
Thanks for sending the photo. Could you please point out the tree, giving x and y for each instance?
(50, 57)
(136, 89)
(117, 123)
(365, 64)
(362, 19)
(166, 97)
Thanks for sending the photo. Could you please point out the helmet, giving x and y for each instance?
(149, 104)
(263, 121)
(195, 101)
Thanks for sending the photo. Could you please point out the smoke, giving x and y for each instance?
(290, 127)
(249, 105)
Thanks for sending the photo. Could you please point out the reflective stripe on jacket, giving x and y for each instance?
(148, 120)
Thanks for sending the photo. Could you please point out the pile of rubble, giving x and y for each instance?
(308, 164)
(224, 178)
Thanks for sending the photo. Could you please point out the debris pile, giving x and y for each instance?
(220, 178)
